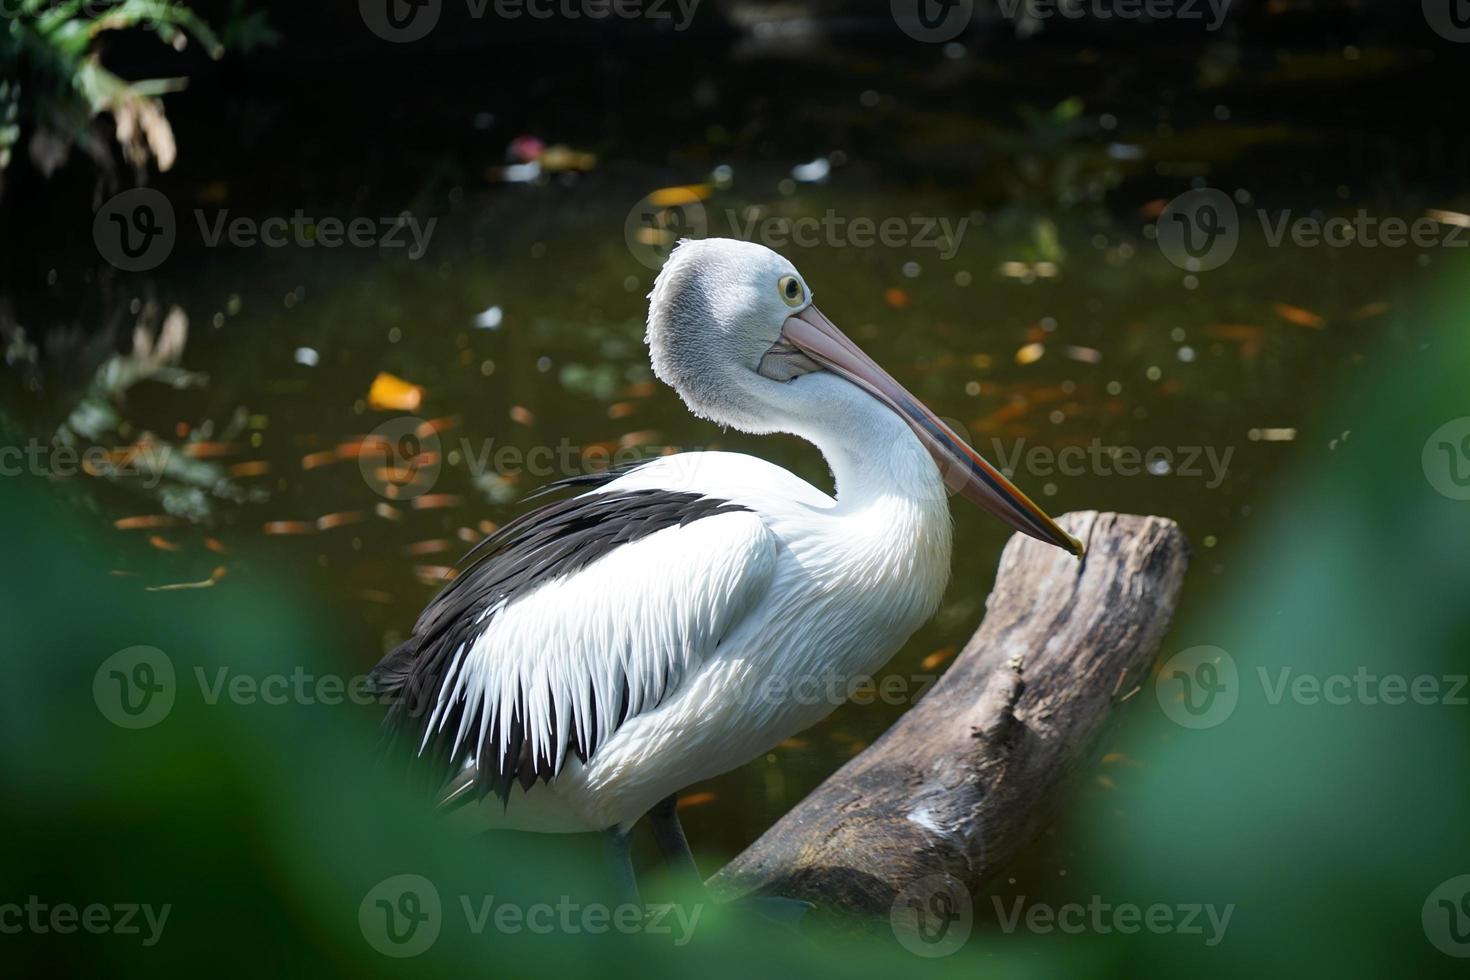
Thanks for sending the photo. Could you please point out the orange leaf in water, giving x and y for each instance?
(163, 544)
(1298, 316)
(1030, 354)
(437, 501)
(256, 467)
(289, 527)
(522, 415)
(937, 657)
(391, 393)
(209, 450)
(676, 197)
(312, 460)
(328, 521)
(432, 547)
(434, 426)
(696, 799)
(896, 298)
(146, 521)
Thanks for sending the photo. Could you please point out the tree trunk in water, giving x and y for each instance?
(965, 778)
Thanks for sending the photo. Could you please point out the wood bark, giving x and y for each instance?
(969, 775)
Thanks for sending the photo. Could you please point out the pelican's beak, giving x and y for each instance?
(964, 470)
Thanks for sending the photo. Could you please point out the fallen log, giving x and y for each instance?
(965, 778)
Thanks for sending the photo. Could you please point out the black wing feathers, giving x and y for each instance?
(552, 541)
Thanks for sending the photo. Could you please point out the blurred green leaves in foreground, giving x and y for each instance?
(268, 831)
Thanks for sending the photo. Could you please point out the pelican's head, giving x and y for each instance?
(732, 329)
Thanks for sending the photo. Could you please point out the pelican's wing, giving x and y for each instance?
(570, 620)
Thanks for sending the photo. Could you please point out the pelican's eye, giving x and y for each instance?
(791, 290)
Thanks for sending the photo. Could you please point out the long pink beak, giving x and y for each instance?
(964, 470)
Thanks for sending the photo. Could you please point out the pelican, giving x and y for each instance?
(602, 652)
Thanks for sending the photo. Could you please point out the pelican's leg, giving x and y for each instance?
(664, 818)
(620, 863)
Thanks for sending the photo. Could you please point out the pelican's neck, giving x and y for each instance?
(874, 455)
(890, 532)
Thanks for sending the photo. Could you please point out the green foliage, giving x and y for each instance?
(57, 85)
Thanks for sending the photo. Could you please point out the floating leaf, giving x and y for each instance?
(936, 658)
(437, 501)
(328, 521)
(214, 577)
(289, 527)
(433, 546)
(145, 522)
(695, 799)
(1030, 354)
(391, 393)
(1298, 316)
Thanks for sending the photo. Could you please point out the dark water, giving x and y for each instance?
(1057, 322)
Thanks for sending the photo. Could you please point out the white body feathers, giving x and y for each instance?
(748, 624)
